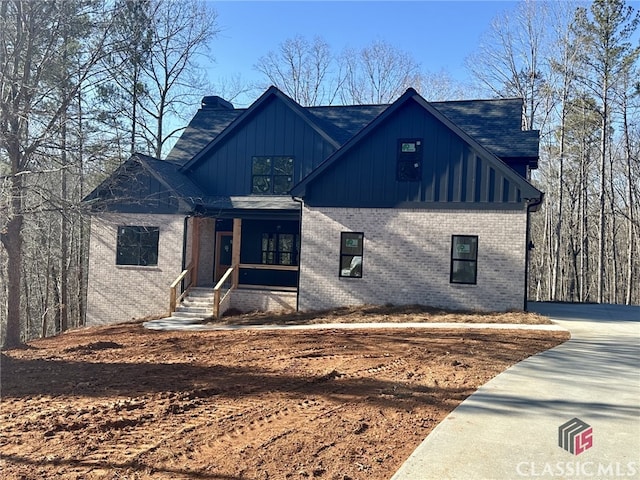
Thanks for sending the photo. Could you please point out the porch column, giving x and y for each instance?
(195, 251)
(235, 250)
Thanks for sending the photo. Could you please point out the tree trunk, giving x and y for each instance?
(583, 229)
(603, 186)
(64, 234)
(12, 241)
(630, 213)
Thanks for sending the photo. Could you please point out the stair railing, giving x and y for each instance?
(222, 289)
(174, 299)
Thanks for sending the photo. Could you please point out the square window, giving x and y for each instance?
(137, 245)
(351, 252)
(464, 259)
(272, 175)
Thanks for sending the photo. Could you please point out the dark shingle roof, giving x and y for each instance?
(343, 122)
(206, 125)
(495, 124)
(168, 172)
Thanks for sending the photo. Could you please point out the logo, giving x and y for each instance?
(575, 436)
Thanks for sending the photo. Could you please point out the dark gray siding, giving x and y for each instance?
(134, 190)
(452, 172)
(275, 129)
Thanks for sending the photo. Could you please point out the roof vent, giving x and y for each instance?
(214, 102)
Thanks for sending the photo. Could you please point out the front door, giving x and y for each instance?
(224, 241)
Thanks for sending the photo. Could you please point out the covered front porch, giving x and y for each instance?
(248, 261)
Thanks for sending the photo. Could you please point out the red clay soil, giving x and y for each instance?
(121, 402)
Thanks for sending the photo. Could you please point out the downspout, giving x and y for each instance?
(301, 202)
(184, 241)
(531, 205)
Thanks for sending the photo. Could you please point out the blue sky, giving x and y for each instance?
(438, 34)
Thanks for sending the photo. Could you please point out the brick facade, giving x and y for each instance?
(407, 256)
(119, 293)
(248, 300)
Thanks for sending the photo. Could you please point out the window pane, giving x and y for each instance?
(465, 247)
(409, 171)
(351, 243)
(283, 166)
(463, 271)
(286, 242)
(148, 257)
(149, 236)
(286, 259)
(282, 185)
(261, 166)
(261, 184)
(351, 266)
(128, 256)
(127, 236)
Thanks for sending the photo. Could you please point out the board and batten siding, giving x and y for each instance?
(119, 293)
(274, 129)
(407, 255)
(452, 171)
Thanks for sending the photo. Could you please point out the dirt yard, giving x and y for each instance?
(122, 402)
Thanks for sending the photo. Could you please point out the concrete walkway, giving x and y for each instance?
(196, 325)
(508, 429)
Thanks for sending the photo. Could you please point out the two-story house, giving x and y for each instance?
(312, 208)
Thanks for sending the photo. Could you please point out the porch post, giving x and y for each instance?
(195, 254)
(235, 250)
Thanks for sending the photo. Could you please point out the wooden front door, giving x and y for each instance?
(224, 242)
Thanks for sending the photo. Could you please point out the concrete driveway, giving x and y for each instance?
(509, 428)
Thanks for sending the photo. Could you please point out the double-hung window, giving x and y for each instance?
(409, 160)
(351, 251)
(272, 175)
(464, 259)
(137, 246)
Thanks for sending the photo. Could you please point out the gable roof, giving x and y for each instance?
(528, 190)
(176, 185)
(488, 121)
(245, 116)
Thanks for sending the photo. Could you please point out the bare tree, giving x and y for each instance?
(560, 87)
(31, 50)
(303, 69)
(510, 61)
(606, 34)
(378, 73)
(628, 99)
(181, 32)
